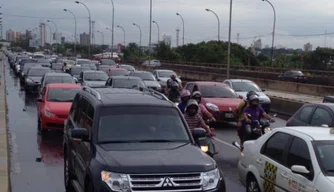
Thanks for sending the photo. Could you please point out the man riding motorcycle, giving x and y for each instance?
(174, 93)
(253, 112)
(185, 96)
(169, 83)
(239, 114)
(205, 114)
(193, 118)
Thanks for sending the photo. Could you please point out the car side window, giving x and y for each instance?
(275, 146)
(74, 106)
(299, 154)
(305, 114)
(321, 117)
(89, 118)
(82, 109)
(189, 86)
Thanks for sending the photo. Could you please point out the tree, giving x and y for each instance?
(133, 52)
(165, 52)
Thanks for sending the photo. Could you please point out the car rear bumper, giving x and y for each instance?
(53, 123)
(224, 116)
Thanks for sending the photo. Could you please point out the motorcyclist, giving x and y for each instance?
(205, 114)
(174, 93)
(170, 83)
(185, 96)
(193, 118)
(255, 111)
(239, 114)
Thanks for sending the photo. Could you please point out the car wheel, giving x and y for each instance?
(68, 176)
(39, 126)
(252, 185)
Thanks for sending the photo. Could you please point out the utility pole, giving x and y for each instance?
(238, 37)
(177, 37)
(93, 29)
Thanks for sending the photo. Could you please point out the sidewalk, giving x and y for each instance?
(4, 157)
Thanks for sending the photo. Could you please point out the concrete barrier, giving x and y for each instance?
(308, 89)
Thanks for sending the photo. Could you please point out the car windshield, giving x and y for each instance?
(43, 61)
(128, 67)
(107, 62)
(24, 61)
(166, 73)
(145, 76)
(245, 86)
(62, 94)
(38, 72)
(57, 66)
(127, 83)
(59, 79)
(95, 76)
(38, 57)
(212, 91)
(80, 62)
(78, 70)
(90, 66)
(148, 124)
(118, 73)
(324, 151)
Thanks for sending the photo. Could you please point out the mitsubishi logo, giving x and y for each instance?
(230, 108)
(167, 182)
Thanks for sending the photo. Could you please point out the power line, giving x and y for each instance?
(36, 17)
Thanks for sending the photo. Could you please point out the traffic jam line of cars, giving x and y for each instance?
(93, 103)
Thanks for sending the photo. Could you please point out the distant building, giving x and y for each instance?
(42, 34)
(84, 39)
(308, 47)
(62, 40)
(167, 39)
(258, 44)
(10, 35)
(17, 36)
(28, 34)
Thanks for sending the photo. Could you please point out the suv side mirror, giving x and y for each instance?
(198, 133)
(299, 169)
(80, 134)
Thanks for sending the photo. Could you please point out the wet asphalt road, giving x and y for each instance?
(37, 162)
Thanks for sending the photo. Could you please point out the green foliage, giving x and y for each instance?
(133, 52)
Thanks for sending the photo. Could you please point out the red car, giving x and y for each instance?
(218, 98)
(54, 105)
(118, 72)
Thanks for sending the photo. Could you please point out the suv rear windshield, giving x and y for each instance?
(95, 76)
(141, 124)
(79, 62)
(145, 76)
(118, 73)
(59, 79)
(38, 72)
(107, 62)
(78, 70)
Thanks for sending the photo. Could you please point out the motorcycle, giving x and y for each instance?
(206, 143)
(255, 130)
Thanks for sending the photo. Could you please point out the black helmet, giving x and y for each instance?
(250, 93)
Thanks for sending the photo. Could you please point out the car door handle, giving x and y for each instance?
(259, 161)
(285, 175)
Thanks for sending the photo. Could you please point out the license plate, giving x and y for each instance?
(229, 115)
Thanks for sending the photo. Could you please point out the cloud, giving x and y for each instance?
(251, 19)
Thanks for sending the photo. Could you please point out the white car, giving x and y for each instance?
(243, 86)
(152, 63)
(289, 159)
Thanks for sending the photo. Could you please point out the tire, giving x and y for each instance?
(252, 185)
(68, 176)
(39, 127)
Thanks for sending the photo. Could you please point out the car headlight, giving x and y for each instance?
(49, 114)
(210, 179)
(212, 107)
(29, 81)
(205, 148)
(267, 129)
(116, 182)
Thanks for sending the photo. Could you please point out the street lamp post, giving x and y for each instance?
(139, 34)
(209, 10)
(229, 43)
(102, 36)
(50, 21)
(158, 30)
(112, 26)
(75, 30)
(178, 14)
(150, 35)
(89, 25)
(123, 33)
(273, 38)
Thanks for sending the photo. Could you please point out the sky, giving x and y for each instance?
(297, 22)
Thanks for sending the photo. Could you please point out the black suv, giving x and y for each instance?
(128, 140)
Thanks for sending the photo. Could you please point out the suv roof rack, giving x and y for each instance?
(92, 92)
(153, 93)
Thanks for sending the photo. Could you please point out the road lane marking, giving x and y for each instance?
(225, 143)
